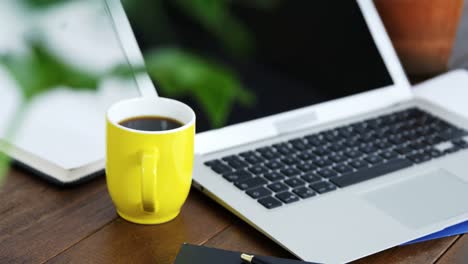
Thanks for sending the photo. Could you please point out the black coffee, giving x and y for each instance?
(151, 123)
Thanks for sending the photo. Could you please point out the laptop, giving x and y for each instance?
(336, 159)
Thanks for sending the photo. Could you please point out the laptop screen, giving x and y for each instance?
(252, 59)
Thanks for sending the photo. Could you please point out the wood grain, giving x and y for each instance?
(42, 223)
(458, 253)
(244, 238)
(39, 220)
(124, 242)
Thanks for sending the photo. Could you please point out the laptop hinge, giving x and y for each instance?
(311, 119)
(297, 123)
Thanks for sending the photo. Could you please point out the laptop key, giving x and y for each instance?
(294, 182)
(253, 159)
(322, 162)
(274, 176)
(417, 145)
(259, 192)
(329, 135)
(419, 157)
(368, 138)
(284, 149)
(327, 173)
(278, 187)
(358, 164)
(323, 186)
(311, 177)
(361, 127)
(337, 158)
(269, 202)
(237, 176)
(453, 133)
(427, 156)
(452, 150)
(287, 197)
(320, 151)
(250, 183)
(346, 132)
(213, 162)
(247, 154)
(265, 149)
(374, 159)
(304, 192)
(389, 155)
(352, 142)
(229, 158)
(397, 139)
(221, 168)
(269, 155)
(461, 142)
(343, 169)
(299, 144)
(274, 165)
(375, 123)
(237, 164)
(336, 147)
(445, 146)
(306, 167)
(290, 160)
(289, 172)
(435, 153)
(383, 144)
(368, 149)
(373, 172)
(305, 156)
(403, 150)
(258, 169)
(315, 140)
(353, 154)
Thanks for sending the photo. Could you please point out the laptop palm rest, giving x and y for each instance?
(423, 200)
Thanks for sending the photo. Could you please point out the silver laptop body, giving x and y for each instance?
(351, 222)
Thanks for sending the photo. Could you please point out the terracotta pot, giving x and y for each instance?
(422, 31)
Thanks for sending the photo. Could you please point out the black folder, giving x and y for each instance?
(192, 254)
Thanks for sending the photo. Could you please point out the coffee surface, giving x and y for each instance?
(151, 123)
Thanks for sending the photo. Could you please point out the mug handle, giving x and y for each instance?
(149, 175)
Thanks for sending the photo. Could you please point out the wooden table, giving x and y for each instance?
(42, 223)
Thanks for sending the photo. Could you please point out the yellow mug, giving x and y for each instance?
(149, 173)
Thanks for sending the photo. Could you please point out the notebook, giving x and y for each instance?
(192, 254)
(59, 133)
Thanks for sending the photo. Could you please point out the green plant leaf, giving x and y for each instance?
(43, 3)
(180, 73)
(40, 71)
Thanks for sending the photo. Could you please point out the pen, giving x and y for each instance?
(252, 259)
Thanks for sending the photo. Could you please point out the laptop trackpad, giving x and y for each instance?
(424, 199)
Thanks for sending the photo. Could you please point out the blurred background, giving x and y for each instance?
(430, 36)
(216, 40)
(212, 53)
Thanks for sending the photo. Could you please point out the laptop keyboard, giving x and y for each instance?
(315, 164)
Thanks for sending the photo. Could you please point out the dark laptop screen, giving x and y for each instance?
(280, 55)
